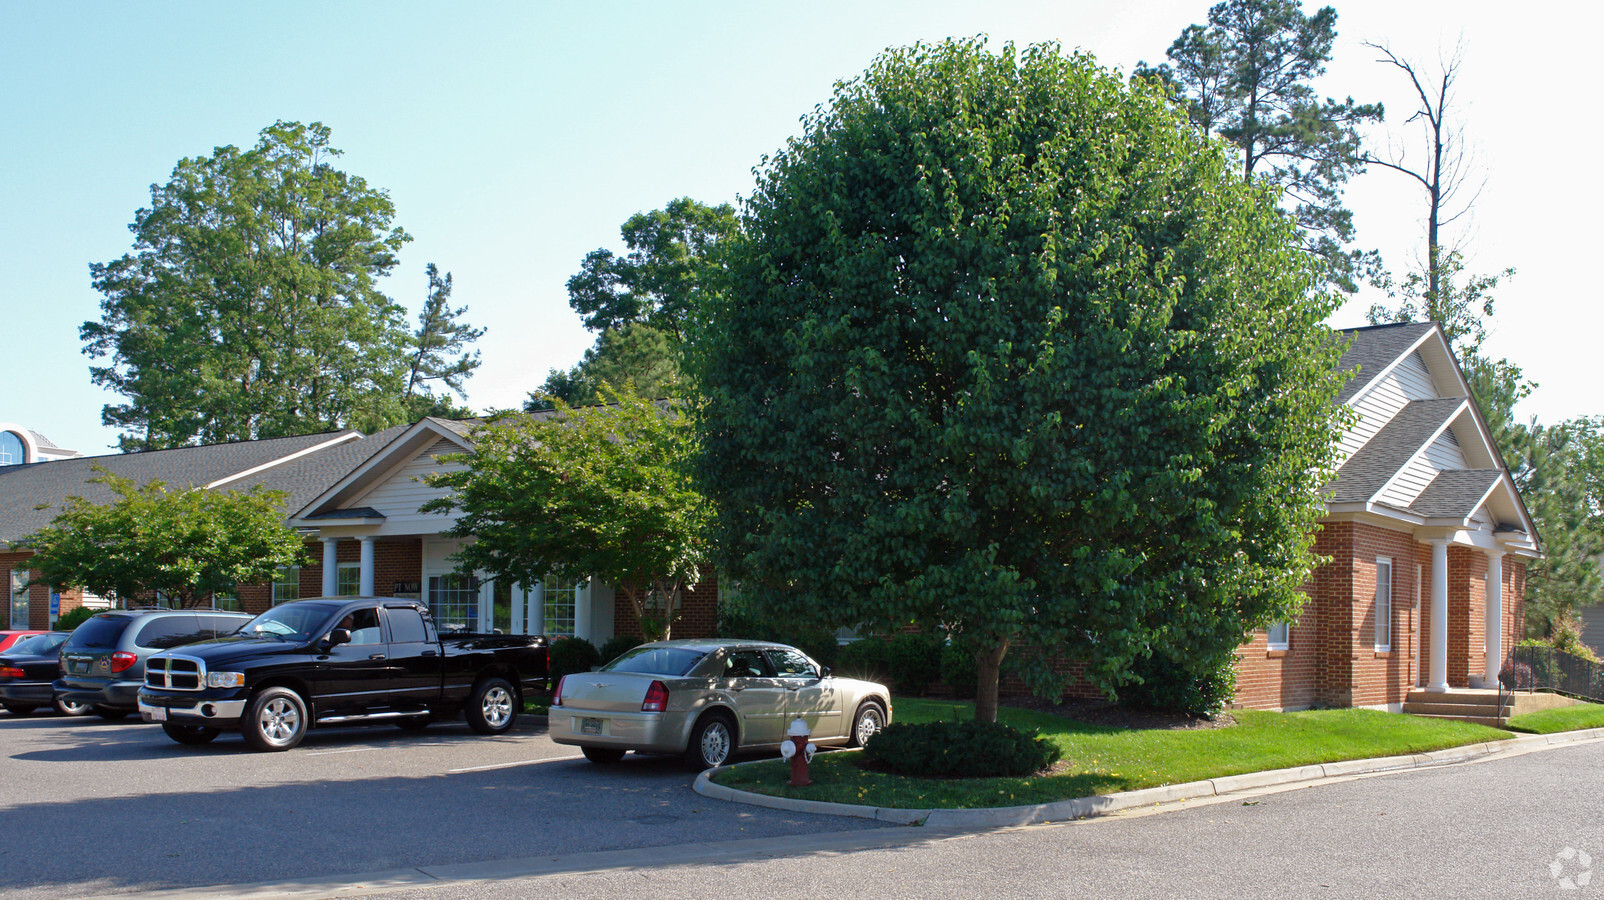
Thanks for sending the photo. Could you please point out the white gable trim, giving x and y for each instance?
(1377, 378)
(340, 439)
(1397, 473)
(423, 434)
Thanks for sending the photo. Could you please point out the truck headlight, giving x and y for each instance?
(225, 679)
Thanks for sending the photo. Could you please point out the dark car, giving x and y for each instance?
(103, 663)
(27, 669)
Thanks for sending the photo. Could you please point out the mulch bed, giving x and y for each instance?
(1112, 715)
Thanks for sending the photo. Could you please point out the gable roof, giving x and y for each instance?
(1374, 349)
(1369, 471)
(401, 443)
(31, 496)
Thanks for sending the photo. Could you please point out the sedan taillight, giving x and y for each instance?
(557, 696)
(122, 660)
(12, 672)
(656, 698)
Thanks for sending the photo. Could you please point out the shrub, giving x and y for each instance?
(865, 658)
(1194, 687)
(913, 660)
(959, 670)
(570, 655)
(1515, 676)
(966, 749)
(617, 646)
(72, 618)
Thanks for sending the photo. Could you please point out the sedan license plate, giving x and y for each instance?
(590, 726)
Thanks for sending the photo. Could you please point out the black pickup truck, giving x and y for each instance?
(342, 660)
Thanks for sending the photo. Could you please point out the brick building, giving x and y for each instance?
(1427, 536)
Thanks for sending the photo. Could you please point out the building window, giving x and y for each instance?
(454, 602)
(348, 580)
(286, 584)
(562, 604)
(1280, 635)
(19, 599)
(1383, 604)
(12, 452)
(226, 602)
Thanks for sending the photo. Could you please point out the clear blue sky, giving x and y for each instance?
(515, 137)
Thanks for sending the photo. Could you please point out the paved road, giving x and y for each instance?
(99, 807)
(1488, 829)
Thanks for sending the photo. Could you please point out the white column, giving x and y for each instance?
(365, 579)
(582, 610)
(1495, 616)
(1439, 616)
(537, 608)
(331, 566)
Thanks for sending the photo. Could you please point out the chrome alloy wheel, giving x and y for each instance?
(870, 721)
(496, 705)
(280, 720)
(715, 743)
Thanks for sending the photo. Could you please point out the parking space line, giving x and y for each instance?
(346, 750)
(527, 762)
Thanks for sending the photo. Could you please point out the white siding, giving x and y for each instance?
(399, 494)
(1408, 381)
(1441, 454)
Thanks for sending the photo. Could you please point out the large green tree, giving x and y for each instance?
(1010, 351)
(634, 353)
(1247, 76)
(186, 544)
(250, 306)
(602, 491)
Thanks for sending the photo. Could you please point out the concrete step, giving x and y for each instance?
(1475, 710)
(1489, 721)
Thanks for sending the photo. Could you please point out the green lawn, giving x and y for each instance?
(1107, 760)
(1565, 718)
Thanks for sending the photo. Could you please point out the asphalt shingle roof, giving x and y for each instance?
(306, 478)
(1372, 349)
(1456, 493)
(31, 496)
(1391, 448)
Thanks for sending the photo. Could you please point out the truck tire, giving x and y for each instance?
(20, 709)
(190, 734)
(275, 719)
(110, 713)
(492, 707)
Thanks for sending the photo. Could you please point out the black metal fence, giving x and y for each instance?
(1546, 669)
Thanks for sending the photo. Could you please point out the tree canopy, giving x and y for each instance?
(1010, 351)
(187, 544)
(250, 306)
(439, 346)
(603, 491)
(1246, 77)
(634, 353)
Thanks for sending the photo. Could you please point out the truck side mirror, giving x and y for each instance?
(339, 636)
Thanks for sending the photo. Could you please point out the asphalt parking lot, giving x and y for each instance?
(100, 807)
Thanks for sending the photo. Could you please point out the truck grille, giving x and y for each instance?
(175, 673)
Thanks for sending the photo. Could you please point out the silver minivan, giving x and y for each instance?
(103, 663)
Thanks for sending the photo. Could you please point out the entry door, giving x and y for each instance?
(19, 599)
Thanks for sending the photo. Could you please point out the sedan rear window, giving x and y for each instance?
(38, 645)
(674, 661)
(99, 633)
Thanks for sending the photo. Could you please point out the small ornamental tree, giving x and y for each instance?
(1010, 350)
(187, 545)
(601, 491)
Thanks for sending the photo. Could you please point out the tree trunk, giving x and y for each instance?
(989, 663)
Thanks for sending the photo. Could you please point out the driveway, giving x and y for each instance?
(100, 807)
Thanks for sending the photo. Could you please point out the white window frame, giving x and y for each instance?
(227, 601)
(1282, 642)
(1383, 603)
(339, 579)
(287, 578)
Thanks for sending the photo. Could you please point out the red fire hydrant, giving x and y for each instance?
(799, 751)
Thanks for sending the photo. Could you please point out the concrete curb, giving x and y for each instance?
(1083, 807)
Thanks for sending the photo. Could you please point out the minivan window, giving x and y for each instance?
(162, 632)
(99, 632)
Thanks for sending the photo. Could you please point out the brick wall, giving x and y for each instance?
(38, 593)
(698, 612)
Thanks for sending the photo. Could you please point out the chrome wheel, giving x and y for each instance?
(71, 708)
(496, 706)
(493, 707)
(711, 743)
(871, 718)
(279, 720)
(275, 720)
